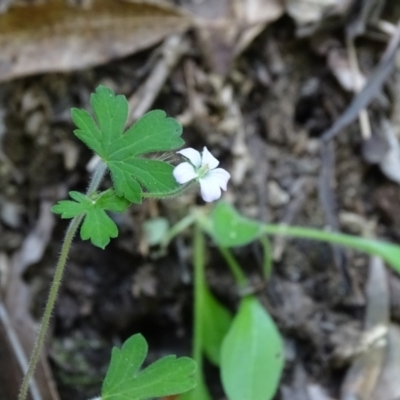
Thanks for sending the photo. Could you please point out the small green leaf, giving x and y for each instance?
(97, 225)
(200, 392)
(120, 151)
(165, 377)
(216, 323)
(252, 354)
(229, 228)
(155, 230)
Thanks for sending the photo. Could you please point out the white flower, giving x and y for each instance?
(202, 167)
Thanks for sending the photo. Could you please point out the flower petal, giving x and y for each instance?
(184, 173)
(210, 189)
(192, 155)
(219, 176)
(208, 159)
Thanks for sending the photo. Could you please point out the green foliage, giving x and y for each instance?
(165, 377)
(216, 323)
(97, 225)
(121, 151)
(200, 392)
(252, 354)
(230, 229)
(155, 230)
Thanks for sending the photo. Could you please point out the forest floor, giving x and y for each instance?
(261, 113)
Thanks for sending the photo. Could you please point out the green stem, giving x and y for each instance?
(179, 227)
(96, 178)
(234, 266)
(388, 251)
(164, 195)
(267, 264)
(199, 278)
(69, 236)
(199, 283)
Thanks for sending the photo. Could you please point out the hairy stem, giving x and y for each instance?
(199, 282)
(164, 195)
(69, 236)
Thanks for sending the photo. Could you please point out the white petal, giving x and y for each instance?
(208, 159)
(184, 173)
(192, 155)
(210, 190)
(219, 176)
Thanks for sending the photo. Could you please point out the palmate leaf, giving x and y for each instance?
(97, 225)
(120, 151)
(165, 377)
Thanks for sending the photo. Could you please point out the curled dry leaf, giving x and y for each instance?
(362, 377)
(388, 386)
(390, 163)
(308, 13)
(226, 28)
(53, 36)
(339, 64)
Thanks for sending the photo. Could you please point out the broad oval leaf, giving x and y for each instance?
(229, 228)
(216, 323)
(252, 354)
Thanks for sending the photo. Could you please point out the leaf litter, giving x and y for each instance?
(54, 36)
(278, 96)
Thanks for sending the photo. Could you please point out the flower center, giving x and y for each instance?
(202, 171)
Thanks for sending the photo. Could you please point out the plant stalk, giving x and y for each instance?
(199, 282)
(58, 274)
(234, 266)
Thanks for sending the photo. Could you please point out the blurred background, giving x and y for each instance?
(260, 83)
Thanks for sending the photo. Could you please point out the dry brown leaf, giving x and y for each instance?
(56, 37)
(311, 13)
(339, 64)
(390, 163)
(226, 28)
(255, 15)
(17, 298)
(363, 375)
(12, 360)
(388, 386)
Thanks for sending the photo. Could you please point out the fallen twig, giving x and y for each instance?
(371, 89)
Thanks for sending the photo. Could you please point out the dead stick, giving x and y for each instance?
(364, 98)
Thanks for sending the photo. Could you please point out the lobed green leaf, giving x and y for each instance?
(165, 377)
(97, 225)
(121, 151)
